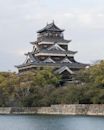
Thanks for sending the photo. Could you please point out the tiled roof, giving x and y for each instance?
(56, 47)
(66, 60)
(64, 68)
(32, 57)
(50, 27)
(42, 64)
(49, 60)
(56, 52)
(50, 39)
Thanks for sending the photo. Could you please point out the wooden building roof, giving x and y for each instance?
(50, 27)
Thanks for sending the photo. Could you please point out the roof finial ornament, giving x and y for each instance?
(53, 21)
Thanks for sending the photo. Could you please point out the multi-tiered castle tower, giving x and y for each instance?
(51, 50)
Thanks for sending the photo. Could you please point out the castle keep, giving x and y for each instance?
(51, 50)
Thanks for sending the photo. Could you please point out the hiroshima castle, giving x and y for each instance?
(51, 50)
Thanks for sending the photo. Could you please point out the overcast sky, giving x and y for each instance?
(83, 21)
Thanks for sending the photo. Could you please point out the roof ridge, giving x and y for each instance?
(50, 27)
(49, 60)
(62, 69)
(66, 60)
(56, 47)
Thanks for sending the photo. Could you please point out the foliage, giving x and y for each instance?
(41, 88)
(46, 77)
(93, 74)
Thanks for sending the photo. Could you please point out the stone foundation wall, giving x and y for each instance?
(74, 109)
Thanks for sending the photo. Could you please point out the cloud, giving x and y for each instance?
(85, 19)
(69, 15)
